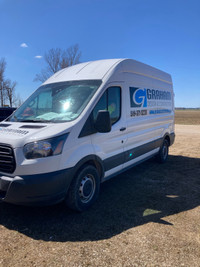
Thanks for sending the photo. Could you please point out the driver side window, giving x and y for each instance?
(111, 101)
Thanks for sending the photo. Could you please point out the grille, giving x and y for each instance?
(7, 159)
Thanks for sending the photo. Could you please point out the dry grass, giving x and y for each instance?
(147, 216)
(187, 117)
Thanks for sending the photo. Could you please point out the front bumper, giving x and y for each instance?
(37, 189)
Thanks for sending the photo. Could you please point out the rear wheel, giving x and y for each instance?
(163, 153)
(84, 189)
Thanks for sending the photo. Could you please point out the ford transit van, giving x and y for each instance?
(84, 125)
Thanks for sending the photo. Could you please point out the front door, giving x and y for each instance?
(110, 146)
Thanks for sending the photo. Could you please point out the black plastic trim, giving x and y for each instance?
(127, 168)
(88, 127)
(4, 125)
(7, 159)
(140, 150)
(32, 126)
(131, 154)
(114, 161)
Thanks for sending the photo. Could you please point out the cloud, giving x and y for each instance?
(24, 45)
(38, 57)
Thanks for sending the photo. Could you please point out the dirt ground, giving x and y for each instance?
(187, 116)
(147, 216)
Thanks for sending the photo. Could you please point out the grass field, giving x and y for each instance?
(187, 117)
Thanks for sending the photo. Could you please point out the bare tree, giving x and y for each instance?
(2, 82)
(70, 57)
(57, 59)
(53, 59)
(17, 100)
(2, 68)
(10, 91)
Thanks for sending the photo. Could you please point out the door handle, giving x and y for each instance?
(123, 129)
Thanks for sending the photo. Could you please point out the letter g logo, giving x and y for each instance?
(138, 97)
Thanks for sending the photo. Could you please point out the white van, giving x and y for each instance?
(84, 125)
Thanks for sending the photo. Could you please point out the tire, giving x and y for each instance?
(163, 153)
(84, 189)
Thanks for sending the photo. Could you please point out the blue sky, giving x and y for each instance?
(164, 34)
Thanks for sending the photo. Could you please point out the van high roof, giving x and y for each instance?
(107, 68)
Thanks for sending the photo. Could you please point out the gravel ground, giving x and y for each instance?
(147, 216)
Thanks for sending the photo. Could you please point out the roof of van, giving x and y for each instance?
(105, 69)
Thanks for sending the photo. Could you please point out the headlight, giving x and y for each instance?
(45, 148)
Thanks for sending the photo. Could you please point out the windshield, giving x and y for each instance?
(57, 102)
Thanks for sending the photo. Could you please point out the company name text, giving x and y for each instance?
(156, 94)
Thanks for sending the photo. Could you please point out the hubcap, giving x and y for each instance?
(87, 188)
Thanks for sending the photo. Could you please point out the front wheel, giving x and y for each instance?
(84, 189)
(163, 153)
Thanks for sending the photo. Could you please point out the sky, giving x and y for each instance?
(163, 34)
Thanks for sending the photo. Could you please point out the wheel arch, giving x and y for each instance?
(169, 137)
(90, 160)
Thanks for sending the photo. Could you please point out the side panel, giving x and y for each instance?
(149, 116)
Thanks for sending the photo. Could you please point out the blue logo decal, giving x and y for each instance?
(138, 97)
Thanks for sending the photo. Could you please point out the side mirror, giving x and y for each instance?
(103, 122)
